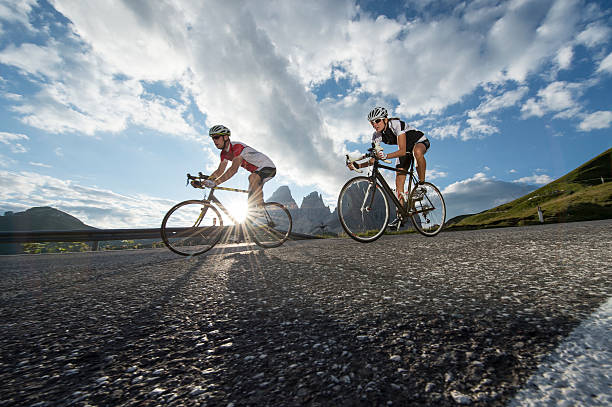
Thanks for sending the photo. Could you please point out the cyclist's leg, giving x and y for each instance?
(256, 181)
(255, 190)
(419, 151)
(400, 179)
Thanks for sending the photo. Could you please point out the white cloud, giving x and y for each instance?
(33, 59)
(17, 11)
(503, 101)
(435, 174)
(596, 121)
(606, 64)
(94, 206)
(10, 139)
(564, 57)
(6, 162)
(480, 193)
(42, 165)
(478, 128)
(253, 65)
(556, 97)
(479, 125)
(538, 179)
(443, 132)
(594, 34)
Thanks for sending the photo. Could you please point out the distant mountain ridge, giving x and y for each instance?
(40, 218)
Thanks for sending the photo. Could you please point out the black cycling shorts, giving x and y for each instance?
(265, 173)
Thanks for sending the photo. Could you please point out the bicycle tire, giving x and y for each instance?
(429, 213)
(185, 232)
(353, 209)
(273, 228)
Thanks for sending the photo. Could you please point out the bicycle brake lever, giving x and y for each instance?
(377, 147)
(348, 160)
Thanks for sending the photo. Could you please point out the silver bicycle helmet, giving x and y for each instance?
(377, 113)
(219, 129)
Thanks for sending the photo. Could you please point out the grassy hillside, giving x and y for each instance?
(577, 196)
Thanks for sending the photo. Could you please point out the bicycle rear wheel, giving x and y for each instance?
(363, 209)
(271, 227)
(191, 227)
(429, 212)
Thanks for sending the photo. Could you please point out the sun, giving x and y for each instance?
(238, 209)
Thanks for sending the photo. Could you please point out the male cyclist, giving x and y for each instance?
(394, 131)
(262, 169)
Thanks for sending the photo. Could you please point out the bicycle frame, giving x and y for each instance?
(212, 199)
(376, 176)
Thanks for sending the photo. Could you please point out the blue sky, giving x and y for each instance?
(105, 106)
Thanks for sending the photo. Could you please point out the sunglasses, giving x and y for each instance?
(376, 121)
(216, 136)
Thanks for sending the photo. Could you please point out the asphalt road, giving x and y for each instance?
(461, 318)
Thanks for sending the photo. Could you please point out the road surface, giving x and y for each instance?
(461, 318)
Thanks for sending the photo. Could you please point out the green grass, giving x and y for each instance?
(577, 196)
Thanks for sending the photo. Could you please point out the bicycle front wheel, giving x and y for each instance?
(363, 209)
(271, 227)
(191, 227)
(428, 209)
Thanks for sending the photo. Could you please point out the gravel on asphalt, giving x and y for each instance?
(463, 318)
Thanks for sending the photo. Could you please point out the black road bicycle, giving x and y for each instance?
(363, 204)
(193, 227)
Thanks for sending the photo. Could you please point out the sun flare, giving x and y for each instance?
(238, 209)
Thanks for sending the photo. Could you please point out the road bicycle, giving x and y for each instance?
(193, 227)
(363, 203)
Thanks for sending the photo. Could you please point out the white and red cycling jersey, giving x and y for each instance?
(252, 160)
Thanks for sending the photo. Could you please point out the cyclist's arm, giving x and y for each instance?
(217, 173)
(401, 143)
(231, 171)
(364, 164)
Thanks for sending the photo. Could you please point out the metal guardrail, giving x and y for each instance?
(93, 235)
(86, 235)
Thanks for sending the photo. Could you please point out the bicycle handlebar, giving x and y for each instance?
(201, 177)
(372, 153)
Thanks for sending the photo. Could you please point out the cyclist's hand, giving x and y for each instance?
(196, 184)
(209, 183)
(351, 165)
(381, 155)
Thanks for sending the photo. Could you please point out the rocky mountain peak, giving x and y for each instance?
(283, 195)
(313, 200)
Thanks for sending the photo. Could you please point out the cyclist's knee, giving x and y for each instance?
(254, 179)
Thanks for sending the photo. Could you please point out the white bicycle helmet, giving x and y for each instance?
(377, 113)
(219, 129)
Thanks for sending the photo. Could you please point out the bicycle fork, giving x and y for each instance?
(365, 207)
